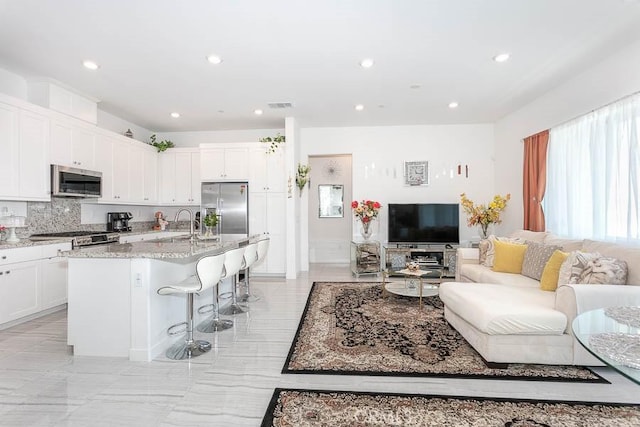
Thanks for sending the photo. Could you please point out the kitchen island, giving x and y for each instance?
(113, 305)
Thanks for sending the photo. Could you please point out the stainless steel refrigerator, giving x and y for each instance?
(229, 200)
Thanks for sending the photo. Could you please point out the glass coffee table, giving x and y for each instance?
(417, 283)
(613, 336)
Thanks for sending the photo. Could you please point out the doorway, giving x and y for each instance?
(330, 222)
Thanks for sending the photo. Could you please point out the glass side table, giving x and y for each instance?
(365, 257)
(615, 342)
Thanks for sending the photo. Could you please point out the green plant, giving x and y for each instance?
(211, 220)
(302, 176)
(162, 145)
(274, 142)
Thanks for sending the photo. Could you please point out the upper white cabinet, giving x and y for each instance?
(224, 162)
(73, 144)
(267, 171)
(180, 176)
(24, 162)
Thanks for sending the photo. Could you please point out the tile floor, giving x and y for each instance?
(42, 384)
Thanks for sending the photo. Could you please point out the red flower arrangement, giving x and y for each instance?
(366, 210)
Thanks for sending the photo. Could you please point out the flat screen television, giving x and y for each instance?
(423, 223)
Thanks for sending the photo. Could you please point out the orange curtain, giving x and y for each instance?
(535, 180)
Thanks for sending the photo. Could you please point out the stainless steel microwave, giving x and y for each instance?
(73, 182)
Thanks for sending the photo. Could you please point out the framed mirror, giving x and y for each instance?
(331, 201)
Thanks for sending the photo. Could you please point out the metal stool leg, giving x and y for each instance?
(234, 307)
(214, 323)
(247, 296)
(189, 347)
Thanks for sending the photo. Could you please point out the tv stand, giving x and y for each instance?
(428, 256)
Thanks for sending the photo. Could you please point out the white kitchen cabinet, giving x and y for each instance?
(135, 173)
(267, 215)
(34, 157)
(224, 163)
(54, 282)
(10, 149)
(32, 279)
(104, 164)
(180, 176)
(73, 144)
(150, 191)
(267, 172)
(19, 290)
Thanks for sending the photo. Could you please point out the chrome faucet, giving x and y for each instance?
(191, 231)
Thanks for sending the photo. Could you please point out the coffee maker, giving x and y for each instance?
(118, 221)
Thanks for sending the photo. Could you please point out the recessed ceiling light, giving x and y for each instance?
(366, 63)
(175, 115)
(453, 105)
(501, 57)
(359, 107)
(257, 112)
(214, 59)
(90, 65)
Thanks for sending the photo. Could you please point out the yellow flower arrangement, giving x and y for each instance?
(484, 215)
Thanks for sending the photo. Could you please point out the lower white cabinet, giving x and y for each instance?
(267, 213)
(32, 279)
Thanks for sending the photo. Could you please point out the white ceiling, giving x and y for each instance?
(152, 56)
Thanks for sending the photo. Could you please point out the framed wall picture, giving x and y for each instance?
(416, 173)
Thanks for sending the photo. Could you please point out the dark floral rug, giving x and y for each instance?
(352, 329)
(337, 408)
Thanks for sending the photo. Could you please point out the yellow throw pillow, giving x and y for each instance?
(551, 272)
(509, 257)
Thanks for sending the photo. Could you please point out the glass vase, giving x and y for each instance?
(484, 231)
(366, 229)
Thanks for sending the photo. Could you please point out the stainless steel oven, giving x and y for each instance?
(73, 182)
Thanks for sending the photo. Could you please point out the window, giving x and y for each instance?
(593, 174)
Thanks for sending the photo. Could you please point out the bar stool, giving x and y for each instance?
(235, 265)
(232, 263)
(250, 258)
(208, 273)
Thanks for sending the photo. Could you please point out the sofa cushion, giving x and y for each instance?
(527, 235)
(567, 245)
(481, 274)
(574, 264)
(625, 253)
(509, 257)
(551, 272)
(535, 259)
(504, 310)
(488, 250)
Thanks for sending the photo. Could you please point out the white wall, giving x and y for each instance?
(614, 78)
(378, 154)
(194, 139)
(13, 84)
(120, 126)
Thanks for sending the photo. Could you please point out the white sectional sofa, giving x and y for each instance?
(508, 318)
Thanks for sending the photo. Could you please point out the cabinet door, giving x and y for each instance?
(136, 173)
(82, 148)
(150, 176)
(195, 178)
(34, 157)
(60, 136)
(212, 164)
(266, 216)
(54, 282)
(276, 172)
(183, 179)
(257, 212)
(236, 163)
(258, 170)
(167, 165)
(19, 285)
(9, 147)
(120, 172)
(105, 164)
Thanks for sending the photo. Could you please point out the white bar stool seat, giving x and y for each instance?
(250, 258)
(208, 272)
(232, 263)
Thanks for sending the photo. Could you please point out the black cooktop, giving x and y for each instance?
(70, 234)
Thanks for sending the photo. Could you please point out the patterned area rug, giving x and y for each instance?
(350, 328)
(324, 408)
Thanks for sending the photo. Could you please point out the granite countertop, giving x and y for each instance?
(166, 249)
(24, 243)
